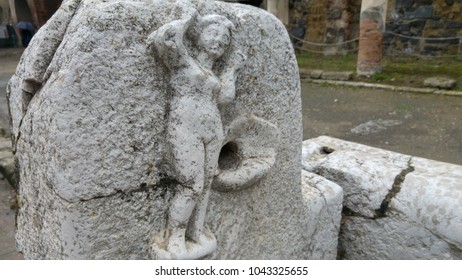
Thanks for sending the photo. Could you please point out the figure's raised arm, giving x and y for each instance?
(167, 41)
(228, 78)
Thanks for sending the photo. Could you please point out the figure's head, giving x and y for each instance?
(214, 34)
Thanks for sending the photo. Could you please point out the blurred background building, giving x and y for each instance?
(420, 27)
(35, 11)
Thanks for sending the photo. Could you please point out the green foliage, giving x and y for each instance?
(399, 71)
(345, 62)
(380, 76)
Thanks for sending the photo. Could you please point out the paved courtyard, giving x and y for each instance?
(423, 125)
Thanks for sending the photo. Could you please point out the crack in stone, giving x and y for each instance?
(347, 212)
(395, 189)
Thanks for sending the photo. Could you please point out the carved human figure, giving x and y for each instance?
(194, 123)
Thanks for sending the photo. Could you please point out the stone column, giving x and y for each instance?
(372, 27)
(279, 8)
(272, 6)
(14, 17)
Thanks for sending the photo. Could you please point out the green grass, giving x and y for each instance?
(380, 77)
(404, 71)
(332, 63)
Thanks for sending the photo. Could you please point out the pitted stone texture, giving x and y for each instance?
(420, 215)
(92, 148)
(366, 174)
(432, 197)
(31, 72)
(392, 238)
(114, 227)
(6, 157)
(323, 199)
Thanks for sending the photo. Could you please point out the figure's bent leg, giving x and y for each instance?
(189, 168)
(182, 206)
(197, 230)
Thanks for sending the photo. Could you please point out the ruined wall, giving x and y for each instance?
(327, 22)
(421, 19)
(342, 19)
(417, 23)
(313, 14)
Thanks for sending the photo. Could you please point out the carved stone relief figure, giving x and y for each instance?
(128, 115)
(194, 124)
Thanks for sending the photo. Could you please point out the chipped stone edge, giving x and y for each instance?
(396, 188)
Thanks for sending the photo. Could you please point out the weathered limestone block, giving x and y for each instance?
(432, 196)
(395, 206)
(438, 82)
(323, 199)
(365, 174)
(391, 238)
(135, 132)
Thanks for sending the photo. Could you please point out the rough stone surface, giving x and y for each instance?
(391, 238)
(6, 157)
(395, 206)
(441, 83)
(365, 174)
(90, 102)
(323, 199)
(432, 196)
